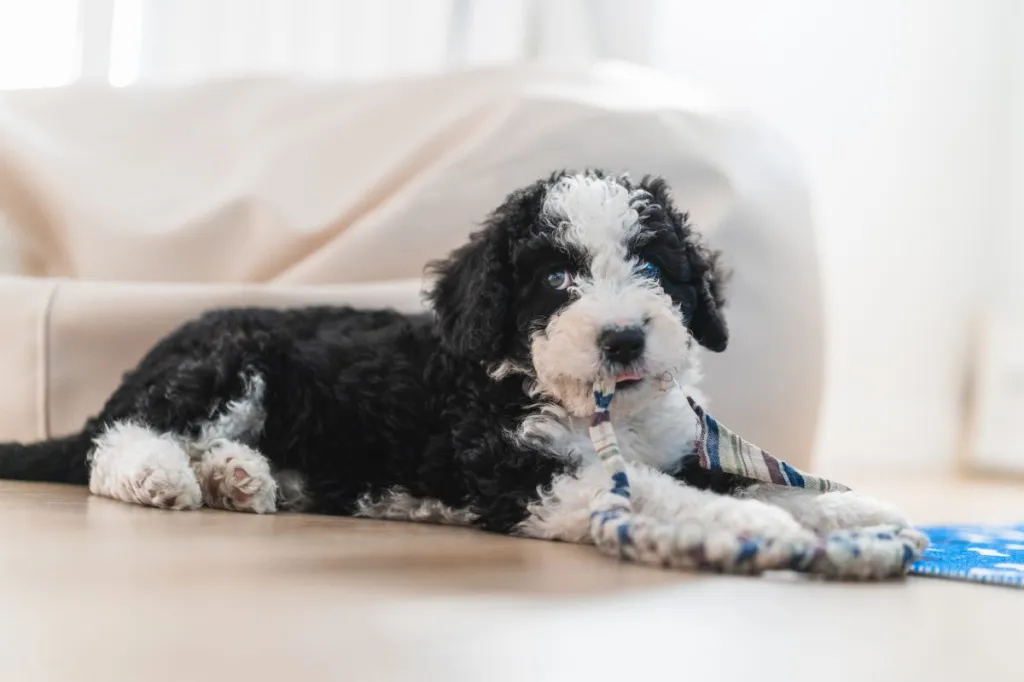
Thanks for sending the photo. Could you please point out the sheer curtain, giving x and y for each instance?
(56, 42)
(997, 424)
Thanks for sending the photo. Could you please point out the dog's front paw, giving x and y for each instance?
(875, 553)
(847, 510)
(756, 519)
(165, 488)
(915, 537)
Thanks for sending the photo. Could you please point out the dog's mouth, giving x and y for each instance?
(625, 380)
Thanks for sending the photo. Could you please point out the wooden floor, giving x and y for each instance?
(92, 589)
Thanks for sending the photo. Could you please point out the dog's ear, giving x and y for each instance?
(470, 296)
(707, 323)
(472, 292)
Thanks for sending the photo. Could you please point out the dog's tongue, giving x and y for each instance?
(608, 383)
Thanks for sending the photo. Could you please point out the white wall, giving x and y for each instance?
(997, 433)
(1009, 283)
(900, 110)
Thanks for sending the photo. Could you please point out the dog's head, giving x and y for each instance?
(582, 276)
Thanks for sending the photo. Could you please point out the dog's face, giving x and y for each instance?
(580, 277)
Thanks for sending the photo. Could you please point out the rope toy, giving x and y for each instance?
(875, 552)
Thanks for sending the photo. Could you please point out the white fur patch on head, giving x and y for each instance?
(596, 214)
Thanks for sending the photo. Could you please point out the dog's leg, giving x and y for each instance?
(563, 511)
(236, 477)
(826, 512)
(133, 463)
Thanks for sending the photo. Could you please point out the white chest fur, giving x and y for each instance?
(658, 435)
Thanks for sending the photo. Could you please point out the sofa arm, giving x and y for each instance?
(25, 305)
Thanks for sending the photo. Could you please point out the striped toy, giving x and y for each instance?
(867, 553)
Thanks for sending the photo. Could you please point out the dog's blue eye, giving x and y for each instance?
(559, 280)
(649, 270)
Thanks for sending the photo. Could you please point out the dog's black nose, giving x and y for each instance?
(622, 345)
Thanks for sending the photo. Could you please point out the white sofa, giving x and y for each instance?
(133, 210)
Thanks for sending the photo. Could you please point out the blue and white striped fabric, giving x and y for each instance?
(719, 449)
(977, 553)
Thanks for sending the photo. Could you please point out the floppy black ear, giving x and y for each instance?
(707, 324)
(471, 295)
(473, 291)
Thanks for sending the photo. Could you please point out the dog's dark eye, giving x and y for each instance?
(559, 280)
(649, 270)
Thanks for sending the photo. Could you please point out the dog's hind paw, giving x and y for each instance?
(238, 478)
(166, 488)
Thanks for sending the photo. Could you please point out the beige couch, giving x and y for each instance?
(133, 210)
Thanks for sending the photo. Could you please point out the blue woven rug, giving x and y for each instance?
(985, 554)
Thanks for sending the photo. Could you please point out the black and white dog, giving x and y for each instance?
(478, 416)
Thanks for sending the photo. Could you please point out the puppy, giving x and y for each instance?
(477, 415)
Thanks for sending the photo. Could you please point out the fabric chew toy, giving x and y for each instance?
(866, 553)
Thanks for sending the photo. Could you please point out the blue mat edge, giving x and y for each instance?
(929, 568)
